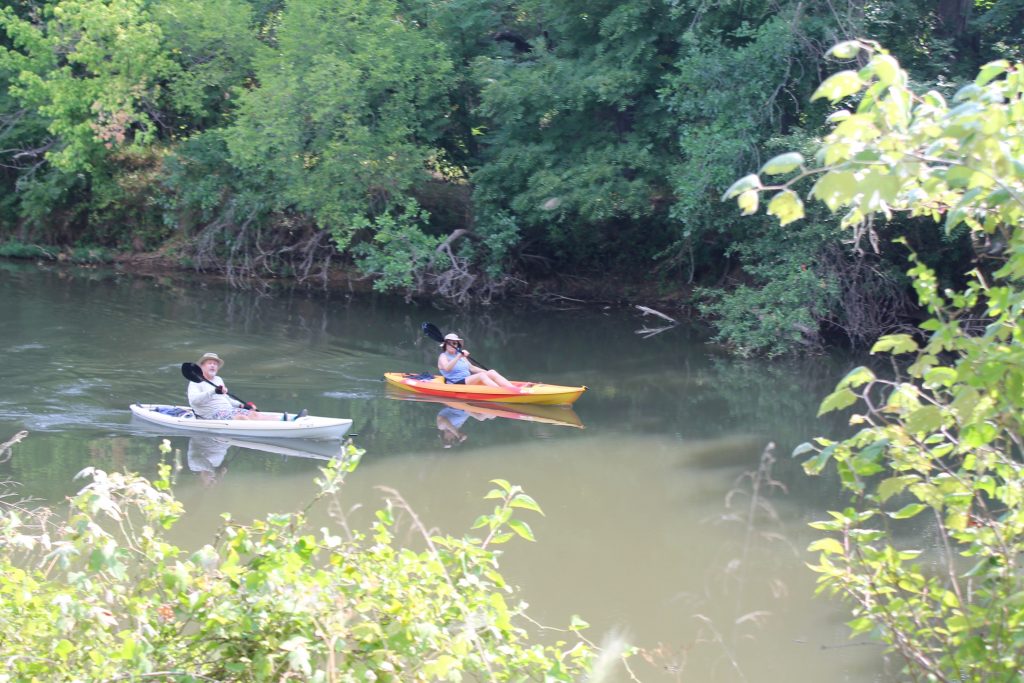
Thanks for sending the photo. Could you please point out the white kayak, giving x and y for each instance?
(182, 417)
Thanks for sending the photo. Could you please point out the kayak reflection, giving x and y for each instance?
(209, 456)
(555, 415)
(317, 449)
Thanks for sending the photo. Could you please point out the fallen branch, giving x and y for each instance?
(646, 332)
(661, 315)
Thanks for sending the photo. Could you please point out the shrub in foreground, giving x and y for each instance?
(928, 550)
(104, 595)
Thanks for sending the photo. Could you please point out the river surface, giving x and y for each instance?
(674, 515)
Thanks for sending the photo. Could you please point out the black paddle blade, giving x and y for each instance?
(431, 331)
(192, 372)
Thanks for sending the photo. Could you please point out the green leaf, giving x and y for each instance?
(924, 419)
(786, 206)
(497, 602)
(839, 85)
(63, 649)
(748, 182)
(438, 669)
(803, 449)
(748, 202)
(521, 528)
(837, 400)
(895, 344)
(977, 435)
(990, 71)
(783, 163)
(860, 626)
(816, 464)
(827, 545)
(848, 49)
(526, 502)
(835, 189)
(941, 376)
(576, 623)
(859, 376)
(895, 485)
(908, 511)
(886, 69)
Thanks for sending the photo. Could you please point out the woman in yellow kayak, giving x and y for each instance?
(454, 364)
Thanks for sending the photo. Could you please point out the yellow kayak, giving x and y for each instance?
(524, 392)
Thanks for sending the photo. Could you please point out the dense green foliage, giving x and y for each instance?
(104, 595)
(929, 549)
(467, 149)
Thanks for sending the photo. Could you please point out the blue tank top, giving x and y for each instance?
(459, 371)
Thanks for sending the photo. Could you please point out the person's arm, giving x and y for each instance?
(445, 364)
(205, 398)
(199, 396)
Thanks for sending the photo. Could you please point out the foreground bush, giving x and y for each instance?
(105, 596)
(928, 550)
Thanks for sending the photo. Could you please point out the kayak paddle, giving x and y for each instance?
(430, 329)
(194, 373)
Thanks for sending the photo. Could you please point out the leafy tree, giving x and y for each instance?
(92, 70)
(575, 138)
(84, 84)
(347, 107)
(937, 447)
(214, 47)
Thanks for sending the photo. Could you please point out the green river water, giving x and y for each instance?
(664, 523)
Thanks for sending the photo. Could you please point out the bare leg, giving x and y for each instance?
(255, 415)
(481, 378)
(499, 380)
(491, 378)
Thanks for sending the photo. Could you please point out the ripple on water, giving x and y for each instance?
(59, 420)
(26, 347)
(79, 388)
(351, 394)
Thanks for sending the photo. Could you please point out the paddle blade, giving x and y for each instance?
(431, 331)
(192, 372)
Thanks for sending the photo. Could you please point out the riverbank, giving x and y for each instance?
(559, 291)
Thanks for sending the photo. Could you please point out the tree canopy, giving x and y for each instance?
(470, 149)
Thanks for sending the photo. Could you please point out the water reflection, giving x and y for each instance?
(453, 414)
(206, 457)
(209, 456)
(449, 424)
(745, 584)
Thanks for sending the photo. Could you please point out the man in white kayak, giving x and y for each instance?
(213, 403)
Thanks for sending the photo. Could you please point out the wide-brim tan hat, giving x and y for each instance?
(451, 336)
(210, 356)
